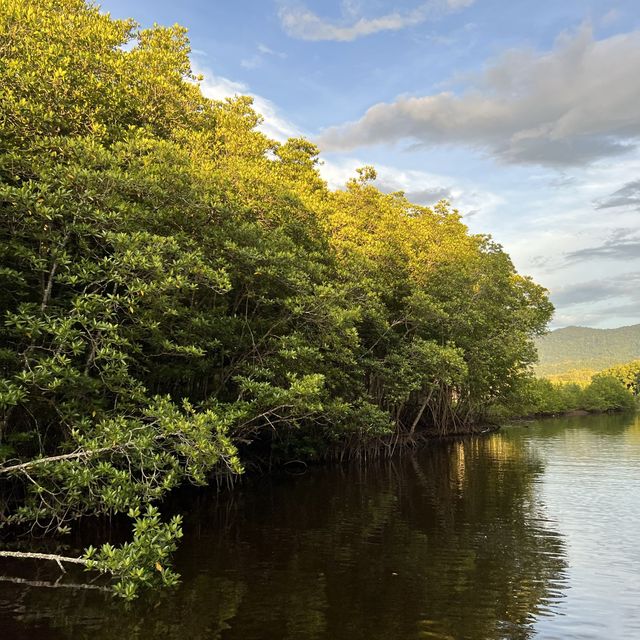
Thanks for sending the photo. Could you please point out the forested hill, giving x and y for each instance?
(585, 348)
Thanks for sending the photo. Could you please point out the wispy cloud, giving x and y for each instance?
(300, 22)
(609, 316)
(626, 196)
(257, 59)
(599, 290)
(275, 125)
(419, 187)
(568, 106)
(611, 17)
(600, 302)
(622, 244)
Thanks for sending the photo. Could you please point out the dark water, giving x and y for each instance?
(529, 533)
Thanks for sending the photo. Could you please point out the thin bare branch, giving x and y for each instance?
(76, 455)
(24, 555)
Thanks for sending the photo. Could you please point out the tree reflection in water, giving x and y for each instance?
(448, 542)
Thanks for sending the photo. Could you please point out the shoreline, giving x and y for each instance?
(573, 413)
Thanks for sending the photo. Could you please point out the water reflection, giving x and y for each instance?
(457, 541)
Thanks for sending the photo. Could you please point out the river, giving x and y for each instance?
(532, 532)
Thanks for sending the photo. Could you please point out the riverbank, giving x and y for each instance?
(573, 413)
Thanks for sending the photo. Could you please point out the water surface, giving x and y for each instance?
(528, 533)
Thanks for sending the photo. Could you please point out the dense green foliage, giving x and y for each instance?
(180, 292)
(540, 396)
(582, 348)
(613, 389)
(628, 374)
(578, 376)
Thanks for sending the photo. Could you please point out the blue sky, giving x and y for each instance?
(525, 115)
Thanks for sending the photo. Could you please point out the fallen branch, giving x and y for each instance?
(43, 556)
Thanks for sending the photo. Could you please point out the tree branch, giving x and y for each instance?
(22, 555)
(24, 466)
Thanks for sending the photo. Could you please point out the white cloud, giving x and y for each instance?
(253, 62)
(275, 125)
(300, 22)
(600, 317)
(612, 16)
(420, 187)
(262, 48)
(568, 106)
(257, 59)
(602, 302)
(628, 195)
(558, 232)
